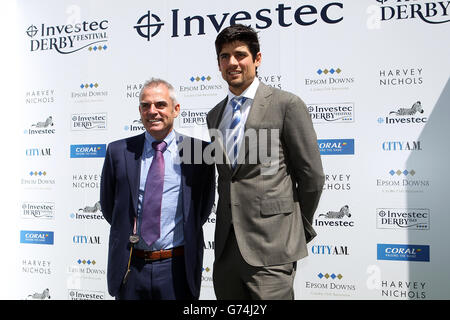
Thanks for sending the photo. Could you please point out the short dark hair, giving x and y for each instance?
(238, 32)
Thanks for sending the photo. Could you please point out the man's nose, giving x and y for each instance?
(152, 109)
(233, 60)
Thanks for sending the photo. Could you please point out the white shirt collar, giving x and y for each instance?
(249, 93)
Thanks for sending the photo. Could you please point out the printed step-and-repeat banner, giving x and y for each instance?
(373, 73)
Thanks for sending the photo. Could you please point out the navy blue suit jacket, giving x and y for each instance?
(119, 199)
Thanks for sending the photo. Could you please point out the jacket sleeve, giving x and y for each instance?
(208, 189)
(304, 155)
(107, 186)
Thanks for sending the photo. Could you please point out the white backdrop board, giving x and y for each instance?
(374, 75)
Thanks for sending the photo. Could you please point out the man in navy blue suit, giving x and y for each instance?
(169, 267)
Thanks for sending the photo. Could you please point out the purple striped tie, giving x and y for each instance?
(151, 216)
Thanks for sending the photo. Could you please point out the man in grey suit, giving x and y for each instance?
(266, 204)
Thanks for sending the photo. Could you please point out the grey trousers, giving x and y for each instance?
(235, 279)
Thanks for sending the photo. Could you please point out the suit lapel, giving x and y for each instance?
(133, 159)
(216, 118)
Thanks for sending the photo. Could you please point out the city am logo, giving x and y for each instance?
(88, 150)
(336, 146)
(403, 252)
(37, 237)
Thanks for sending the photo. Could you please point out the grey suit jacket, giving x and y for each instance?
(270, 203)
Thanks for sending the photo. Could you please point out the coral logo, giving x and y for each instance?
(336, 146)
(403, 252)
(37, 237)
(87, 150)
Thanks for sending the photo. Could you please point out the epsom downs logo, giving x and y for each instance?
(150, 24)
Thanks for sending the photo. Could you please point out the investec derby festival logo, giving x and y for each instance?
(38, 210)
(405, 115)
(403, 218)
(69, 38)
(332, 112)
(193, 118)
(432, 12)
(88, 121)
(150, 24)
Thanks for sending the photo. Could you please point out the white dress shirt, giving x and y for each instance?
(225, 123)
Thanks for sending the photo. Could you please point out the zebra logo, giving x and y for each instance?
(344, 211)
(416, 107)
(44, 124)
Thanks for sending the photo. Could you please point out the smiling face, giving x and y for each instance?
(237, 66)
(158, 111)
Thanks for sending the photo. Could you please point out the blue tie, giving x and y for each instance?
(234, 132)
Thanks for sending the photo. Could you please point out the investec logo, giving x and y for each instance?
(150, 24)
(332, 112)
(41, 127)
(88, 213)
(87, 150)
(432, 12)
(405, 115)
(69, 38)
(334, 218)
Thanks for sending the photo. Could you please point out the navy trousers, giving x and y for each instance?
(156, 280)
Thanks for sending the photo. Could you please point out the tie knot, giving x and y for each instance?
(159, 145)
(237, 103)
